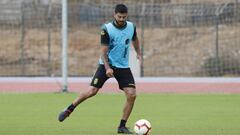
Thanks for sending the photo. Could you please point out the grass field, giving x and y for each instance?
(169, 114)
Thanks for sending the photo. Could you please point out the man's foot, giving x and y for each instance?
(63, 115)
(124, 130)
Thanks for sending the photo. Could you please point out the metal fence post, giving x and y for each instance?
(142, 39)
(49, 70)
(22, 61)
(64, 45)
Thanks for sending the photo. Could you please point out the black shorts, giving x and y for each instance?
(123, 76)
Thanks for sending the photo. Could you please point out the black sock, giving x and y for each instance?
(71, 107)
(122, 123)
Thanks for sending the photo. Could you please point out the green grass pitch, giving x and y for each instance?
(169, 114)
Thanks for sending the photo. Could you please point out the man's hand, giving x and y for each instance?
(109, 72)
(139, 57)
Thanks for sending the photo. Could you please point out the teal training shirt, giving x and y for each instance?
(119, 44)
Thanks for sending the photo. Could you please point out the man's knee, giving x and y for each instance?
(131, 93)
(93, 91)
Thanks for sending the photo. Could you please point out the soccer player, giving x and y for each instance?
(116, 38)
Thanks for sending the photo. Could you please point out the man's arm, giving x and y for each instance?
(136, 45)
(104, 57)
(104, 51)
(137, 49)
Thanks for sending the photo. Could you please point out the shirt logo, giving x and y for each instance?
(127, 41)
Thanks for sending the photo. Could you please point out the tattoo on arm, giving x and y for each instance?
(104, 56)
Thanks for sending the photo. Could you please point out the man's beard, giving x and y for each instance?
(120, 23)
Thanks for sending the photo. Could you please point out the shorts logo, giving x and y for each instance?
(102, 32)
(131, 84)
(95, 81)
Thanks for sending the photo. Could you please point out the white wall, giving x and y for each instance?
(134, 63)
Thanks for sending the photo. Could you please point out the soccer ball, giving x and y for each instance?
(142, 127)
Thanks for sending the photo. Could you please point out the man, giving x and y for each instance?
(116, 37)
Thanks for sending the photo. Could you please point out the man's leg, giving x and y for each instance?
(130, 99)
(92, 91)
(97, 82)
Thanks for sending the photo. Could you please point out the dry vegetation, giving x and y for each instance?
(82, 52)
(168, 51)
(183, 51)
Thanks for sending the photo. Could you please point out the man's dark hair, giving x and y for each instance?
(121, 8)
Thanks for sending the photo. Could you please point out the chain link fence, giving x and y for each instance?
(179, 39)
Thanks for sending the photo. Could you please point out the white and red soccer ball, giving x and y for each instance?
(142, 127)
